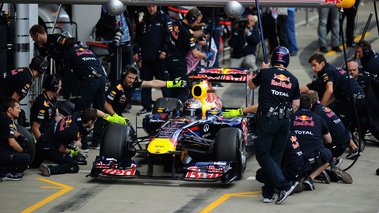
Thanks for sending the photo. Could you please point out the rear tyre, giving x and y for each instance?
(116, 141)
(230, 146)
(65, 108)
(31, 146)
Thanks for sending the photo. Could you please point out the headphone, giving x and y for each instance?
(52, 85)
(42, 67)
(127, 69)
(192, 17)
(365, 49)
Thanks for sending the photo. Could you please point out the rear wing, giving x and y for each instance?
(225, 74)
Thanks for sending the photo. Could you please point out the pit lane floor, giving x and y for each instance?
(76, 193)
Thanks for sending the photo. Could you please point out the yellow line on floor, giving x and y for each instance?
(225, 197)
(358, 38)
(64, 190)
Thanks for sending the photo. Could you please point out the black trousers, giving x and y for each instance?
(46, 151)
(11, 160)
(177, 67)
(149, 69)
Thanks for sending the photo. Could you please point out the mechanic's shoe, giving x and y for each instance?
(285, 193)
(80, 160)
(336, 162)
(323, 177)
(377, 171)
(144, 111)
(269, 200)
(353, 154)
(323, 49)
(356, 141)
(12, 176)
(45, 170)
(297, 184)
(308, 184)
(293, 54)
(300, 187)
(337, 49)
(85, 150)
(342, 175)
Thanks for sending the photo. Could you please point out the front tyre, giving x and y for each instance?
(117, 142)
(230, 146)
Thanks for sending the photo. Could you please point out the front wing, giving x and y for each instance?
(199, 171)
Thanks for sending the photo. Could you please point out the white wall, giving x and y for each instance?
(86, 16)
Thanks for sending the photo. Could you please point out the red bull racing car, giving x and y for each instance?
(194, 141)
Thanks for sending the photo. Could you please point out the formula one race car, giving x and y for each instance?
(193, 140)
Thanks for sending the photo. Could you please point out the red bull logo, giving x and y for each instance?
(303, 121)
(282, 81)
(211, 71)
(233, 71)
(294, 142)
(282, 77)
(329, 112)
(332, 2)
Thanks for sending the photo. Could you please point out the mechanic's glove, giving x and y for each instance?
(232, 113)
(208, 55)
(209, 29)
(176, 83)
(74, 153)
(124, 120)
(23, 141)
(114, 119)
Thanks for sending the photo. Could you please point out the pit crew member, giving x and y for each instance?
(54, 144)
(337, 90)
(118, 95)
(181, 42)
(152, 40)
(13, 159)
(278, 95)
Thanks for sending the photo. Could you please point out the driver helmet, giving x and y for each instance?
(192, 108)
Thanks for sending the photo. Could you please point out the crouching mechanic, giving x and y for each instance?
(118, 95)
(54, 144)
(13, 159)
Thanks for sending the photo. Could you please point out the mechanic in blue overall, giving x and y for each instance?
(337, 90)
(294, 165)
(182, 41)
(16, 83)
(118, 95)
(52, 46)
(13, 159)
(311, 132)
(341, 138)
(55, 143)
(369, 58)
(152, 40)
(278, 96)
(363, 80)
(44, 111)
(87, 69)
